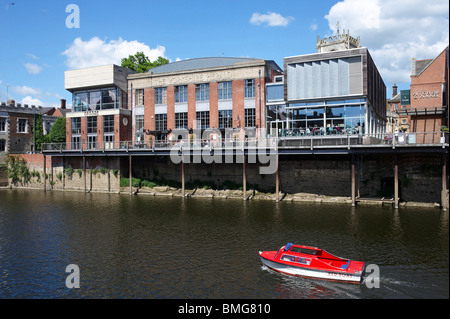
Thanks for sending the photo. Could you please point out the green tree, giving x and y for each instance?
(141, 63)
(39, 132)
(58, 131)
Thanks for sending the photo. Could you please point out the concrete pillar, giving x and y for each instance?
(277, 181)
(84, 172)
(51, 172)
(353, 181)
(396, 182)
(444, 197)
(45, 173)
(244, 178)
(182, 177)
(130, 174)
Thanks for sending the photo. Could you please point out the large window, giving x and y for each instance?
(225, 90)
(2, 145)
(160, 95)
(3, 124)
(249, 117)
(76, 125)
(203, 119)
(92, 125)
(181, 120)
(139, 97)
(225, 118)
(161, 122)
(202, 92)
(249, 86)
(100, 99)
(22, 126)
(140, 128)
(181, 94)
(108, 124)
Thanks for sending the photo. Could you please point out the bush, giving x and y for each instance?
(125, 182)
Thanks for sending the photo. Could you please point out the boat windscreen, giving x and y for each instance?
(305, 251)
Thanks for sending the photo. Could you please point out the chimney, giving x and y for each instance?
(63, 104)
(12, 102)
(413, 67)
(394, 90)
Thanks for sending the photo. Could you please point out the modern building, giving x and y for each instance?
(335, 91)
(427, 98)
(100, 115)
(197, 94)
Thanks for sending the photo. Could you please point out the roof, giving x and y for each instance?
(201, 63)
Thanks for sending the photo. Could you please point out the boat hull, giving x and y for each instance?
(311, 272)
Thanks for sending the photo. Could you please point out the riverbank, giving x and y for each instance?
(167, 191)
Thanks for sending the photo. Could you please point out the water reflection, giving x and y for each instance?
(158, 247)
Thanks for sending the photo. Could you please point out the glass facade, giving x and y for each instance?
(99, 99)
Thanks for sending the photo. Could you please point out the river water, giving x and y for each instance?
(163, 247)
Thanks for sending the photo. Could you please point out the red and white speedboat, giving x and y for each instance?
(312, 262)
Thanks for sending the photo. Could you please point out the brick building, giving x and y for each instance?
(17, 122)
(214, 92)
(428, 97)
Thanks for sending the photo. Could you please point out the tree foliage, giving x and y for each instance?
(58, 131)
(141, 63)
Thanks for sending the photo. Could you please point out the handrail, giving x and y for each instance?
(310, 141)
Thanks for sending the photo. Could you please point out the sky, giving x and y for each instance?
(39, 40)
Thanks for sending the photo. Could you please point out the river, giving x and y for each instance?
(163, 247)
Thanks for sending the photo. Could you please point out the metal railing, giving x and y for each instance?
(288, 142)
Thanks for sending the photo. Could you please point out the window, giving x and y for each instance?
(94, 100)
(160, 95)
(80, 101)
(225, 118)
(2, 145)
(202, 92)
(92, 142)
(76, 142)
(249, 86)
(161, 122)
(181, 94)
(139, 123)
(108, 99)
(225, 90)
(181, 120)
(22, 126)
(140, 97)
(92, 125)
(108, 140)
(76, 125)
(203, 119)
(249, 117)
(108, 124)
(3, 124)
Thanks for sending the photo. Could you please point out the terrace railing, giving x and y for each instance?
(286, 142)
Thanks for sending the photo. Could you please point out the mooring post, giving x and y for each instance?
(396, 182)
(353, 181)
(64, 173)
(244, 178)
(130, 175)
(182, 177)
(45, 173)
(84, 172)
(277, 180)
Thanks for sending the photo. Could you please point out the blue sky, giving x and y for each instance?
(37, 46)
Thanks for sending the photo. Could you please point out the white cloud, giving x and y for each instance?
(33, 68)
(313, 26)
(31, 101)
(26, 90)
(395, 31)
(95, 52)
(272, 19)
